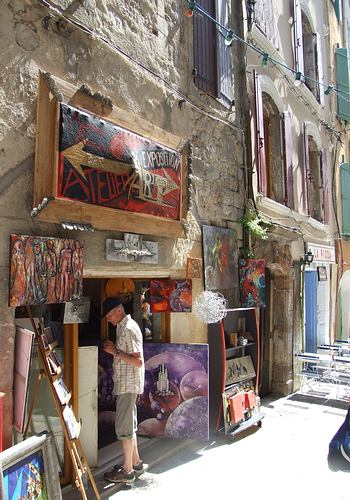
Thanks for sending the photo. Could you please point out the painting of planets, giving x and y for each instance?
(169, 295)
(175, 400)
(252, 282)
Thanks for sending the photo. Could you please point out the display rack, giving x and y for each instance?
(234, 372)
(52, 367)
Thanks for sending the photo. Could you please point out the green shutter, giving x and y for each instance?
(345, 194)
(336, 5)
(342, 72)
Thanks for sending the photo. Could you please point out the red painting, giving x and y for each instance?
(252, 282)
(45, 270)
(103, 164)
(171, 295)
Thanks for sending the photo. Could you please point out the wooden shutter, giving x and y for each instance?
(204, 49)
(225, 77)
(298, 38)
(287, 158)
(342, 75)
(307, 182)
(319, 65)
(336, 5)
(260, 140)
(324, 188)
(345, 194)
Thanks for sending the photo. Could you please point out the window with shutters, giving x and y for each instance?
(343, 87)
(265, 19)
(211, 56)
(274, 148)
(316, 192)
(345, 195)
(308, 52)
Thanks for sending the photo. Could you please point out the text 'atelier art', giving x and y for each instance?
(45, 270)
(103, 164)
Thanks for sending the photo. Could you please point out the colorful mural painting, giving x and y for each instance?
(220, 253)
(26, 479)
(175, 400)
(171, 295)
(45, 270)
(252, 282)
(103, 164)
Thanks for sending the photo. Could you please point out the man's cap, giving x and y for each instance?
(110, 304)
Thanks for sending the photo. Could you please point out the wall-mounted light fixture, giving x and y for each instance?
(297, 80)
(265, 61)
(307, 259)
(77, 226)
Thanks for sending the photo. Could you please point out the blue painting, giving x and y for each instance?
(175, 402)
(26, 479)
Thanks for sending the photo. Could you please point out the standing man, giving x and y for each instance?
(128, 366)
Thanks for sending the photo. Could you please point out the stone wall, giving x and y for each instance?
(108, 46)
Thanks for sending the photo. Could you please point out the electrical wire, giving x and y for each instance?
(230, 35)
(143, 67)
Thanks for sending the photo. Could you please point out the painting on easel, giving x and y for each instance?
(45, 270)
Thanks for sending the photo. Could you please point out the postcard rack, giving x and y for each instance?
(52, 370)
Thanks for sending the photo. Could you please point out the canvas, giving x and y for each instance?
(171, 295)
(45, 270)
(220, 252)
(252, 282)
(238, 369)
(23, 352)
(103, 164)
(174, 403)
(77, 311)
(28, 470)
(194, 268)
(132, 249)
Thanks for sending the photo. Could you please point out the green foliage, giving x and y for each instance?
(252, 222)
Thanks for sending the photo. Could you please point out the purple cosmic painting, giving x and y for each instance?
(175, 400)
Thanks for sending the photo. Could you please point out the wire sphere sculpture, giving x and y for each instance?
(210, 307)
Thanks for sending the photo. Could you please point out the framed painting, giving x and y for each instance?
(77, 311)
(194, 268)
(220, 252)
(45, 270)
(29, 470)
(104, 166)
(322, 273)
(175, 403)
(252, 282)
(171, 295)
(238, 369)
(23, 352)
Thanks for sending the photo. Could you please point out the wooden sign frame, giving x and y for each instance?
(52, 91)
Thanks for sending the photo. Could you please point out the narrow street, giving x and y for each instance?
(286, 458)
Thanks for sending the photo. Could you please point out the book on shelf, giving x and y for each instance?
(62, 391)
(73, 426)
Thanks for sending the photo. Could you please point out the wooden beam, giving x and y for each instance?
(109, 219)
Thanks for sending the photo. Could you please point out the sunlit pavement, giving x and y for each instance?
(284, 459)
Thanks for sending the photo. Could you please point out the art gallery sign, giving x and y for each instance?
(322, 253)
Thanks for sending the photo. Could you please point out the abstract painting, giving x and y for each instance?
(132, 249)
(103, 164)
(171, 295)
(174, 403)
(220, 253)
(45, 270)
(28, 470)
(252, 282)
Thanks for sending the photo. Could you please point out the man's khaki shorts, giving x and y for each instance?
(126, 416)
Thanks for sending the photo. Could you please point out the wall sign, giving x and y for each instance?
(322, 253)
(103, 164)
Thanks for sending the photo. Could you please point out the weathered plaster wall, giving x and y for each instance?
(157, 35)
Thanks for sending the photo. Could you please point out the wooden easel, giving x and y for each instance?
(77, 456)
